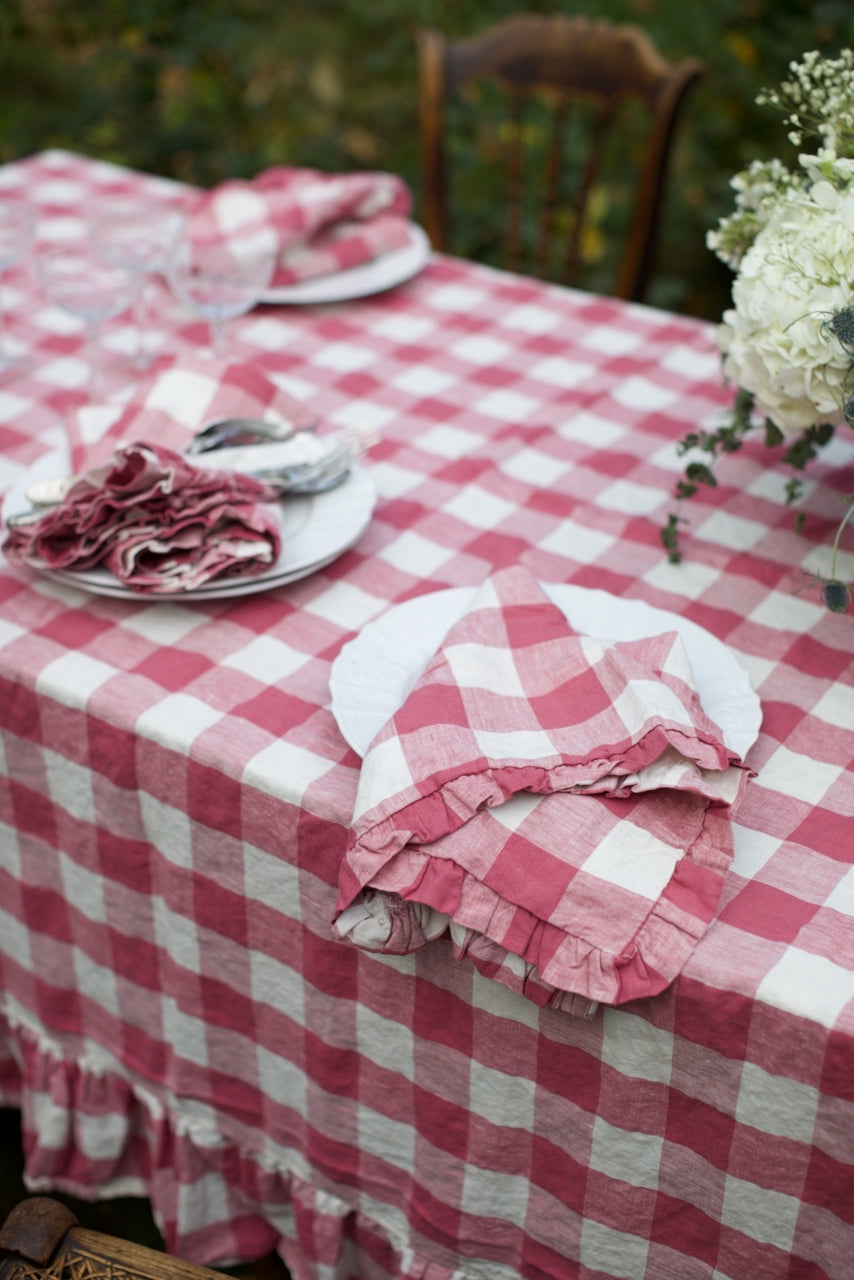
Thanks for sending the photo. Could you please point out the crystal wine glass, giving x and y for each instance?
(139, 235)
(76, 278)
(16, 235)
(219, 281)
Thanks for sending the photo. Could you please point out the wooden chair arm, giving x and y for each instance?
(42, 1240)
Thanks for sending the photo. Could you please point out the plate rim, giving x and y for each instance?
(741, 740)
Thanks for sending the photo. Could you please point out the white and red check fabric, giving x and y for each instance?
(564, 801)
(317, 223)
(174, 401)
(177, 1018)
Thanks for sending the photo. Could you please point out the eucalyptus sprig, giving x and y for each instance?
(728, 438)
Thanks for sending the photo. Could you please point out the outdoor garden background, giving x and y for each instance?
(202, 90)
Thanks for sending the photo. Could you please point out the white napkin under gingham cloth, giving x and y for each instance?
(317, 223)
(560, 803)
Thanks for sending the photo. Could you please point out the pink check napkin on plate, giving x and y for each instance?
(140, 509)
(560, 803)
(178, 397)
(318, 223)
(156, 522)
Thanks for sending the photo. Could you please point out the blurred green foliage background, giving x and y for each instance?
(202, 90)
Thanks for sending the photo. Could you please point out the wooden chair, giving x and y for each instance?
(579, 68)
(40, 1240)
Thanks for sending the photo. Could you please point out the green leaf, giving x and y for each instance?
(794, 490)
(700, 473)
(669, 536)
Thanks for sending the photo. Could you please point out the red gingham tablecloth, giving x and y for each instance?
(178, 1019)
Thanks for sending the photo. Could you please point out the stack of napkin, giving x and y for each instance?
(317, 223)
(156, 522)
(138, 508)
(560, 804)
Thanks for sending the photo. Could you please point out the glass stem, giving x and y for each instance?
(5, 353)
(217, 332)
(140, 320)
(93, 356)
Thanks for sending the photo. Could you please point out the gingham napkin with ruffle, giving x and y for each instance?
(317, 223)
(560, 803)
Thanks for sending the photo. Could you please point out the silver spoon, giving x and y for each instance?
(241, 430)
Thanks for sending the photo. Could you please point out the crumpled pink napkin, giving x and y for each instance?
(560, 804)
(317, 223)
(159, 524)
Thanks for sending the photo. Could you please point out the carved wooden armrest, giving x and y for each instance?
(41, 1240)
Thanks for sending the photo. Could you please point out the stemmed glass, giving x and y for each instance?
(220, 281)
(75, 277)
(139, 235)
(16, 235)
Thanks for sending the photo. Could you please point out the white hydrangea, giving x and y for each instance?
(797, 274)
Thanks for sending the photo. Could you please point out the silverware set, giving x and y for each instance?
(294, 462)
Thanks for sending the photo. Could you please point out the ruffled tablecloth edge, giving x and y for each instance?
(256, 1202)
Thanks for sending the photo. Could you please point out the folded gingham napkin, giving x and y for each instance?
(178, 397)
(560, 803)
(317, 223)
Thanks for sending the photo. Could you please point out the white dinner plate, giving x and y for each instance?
(375, 672)
(315, 530)
(384, 272)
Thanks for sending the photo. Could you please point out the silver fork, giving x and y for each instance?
(328, 468)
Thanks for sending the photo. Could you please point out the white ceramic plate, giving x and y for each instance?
(375, 672)
(390, 269)
(315, 530)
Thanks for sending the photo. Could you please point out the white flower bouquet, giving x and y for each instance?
(788, 339)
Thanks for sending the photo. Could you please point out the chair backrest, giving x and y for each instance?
(578, 67)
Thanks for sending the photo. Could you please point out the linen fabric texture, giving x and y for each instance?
(317, 223)
(560, 803)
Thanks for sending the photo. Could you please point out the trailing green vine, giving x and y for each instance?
(729, 438)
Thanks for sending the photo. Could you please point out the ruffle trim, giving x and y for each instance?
(551, 966)
(91, 1133)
